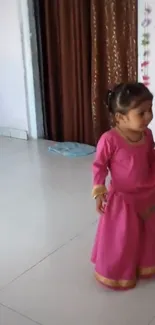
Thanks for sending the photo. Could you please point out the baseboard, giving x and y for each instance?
(13, 133)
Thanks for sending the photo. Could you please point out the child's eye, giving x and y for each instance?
(141, 114)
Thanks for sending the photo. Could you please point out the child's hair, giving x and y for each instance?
(126, 96)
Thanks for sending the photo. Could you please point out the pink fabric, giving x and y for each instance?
(124, 241)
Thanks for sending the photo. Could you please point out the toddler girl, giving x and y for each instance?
(124, 248)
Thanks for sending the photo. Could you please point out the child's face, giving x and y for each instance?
(139, 118)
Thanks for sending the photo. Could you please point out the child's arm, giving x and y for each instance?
(100, 166)
(150, 135)
(151, 145)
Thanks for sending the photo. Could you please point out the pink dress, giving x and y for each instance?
(124, 247)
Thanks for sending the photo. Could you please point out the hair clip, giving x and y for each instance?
(127, 92)
(109, 94)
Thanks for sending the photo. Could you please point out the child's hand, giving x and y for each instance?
(100, 204)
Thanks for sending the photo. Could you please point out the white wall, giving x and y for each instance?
(17, 104)
(151, 47)
(13, 110)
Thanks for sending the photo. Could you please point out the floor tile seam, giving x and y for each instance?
(151, 320)
(20, 314)
(45, 257)
(33, 266)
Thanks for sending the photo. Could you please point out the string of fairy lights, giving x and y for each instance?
(145, 64)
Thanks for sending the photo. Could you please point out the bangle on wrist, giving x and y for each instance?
(98, 190)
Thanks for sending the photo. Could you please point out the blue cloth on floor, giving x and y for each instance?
(72, 149)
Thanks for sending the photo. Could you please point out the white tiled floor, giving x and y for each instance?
(8, 317)
(47, 225)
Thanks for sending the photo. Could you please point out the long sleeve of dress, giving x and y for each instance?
(100, 166)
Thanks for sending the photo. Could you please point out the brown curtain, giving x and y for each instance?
(87, 45)
(67, 69)
(114, 52)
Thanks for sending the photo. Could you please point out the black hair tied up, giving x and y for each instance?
(126, 96)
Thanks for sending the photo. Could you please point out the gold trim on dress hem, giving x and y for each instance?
(98, 190)
(147, 270)
(124, 284)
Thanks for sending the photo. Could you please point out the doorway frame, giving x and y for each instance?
(31, 69)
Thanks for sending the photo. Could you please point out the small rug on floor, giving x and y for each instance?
(72, 149)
